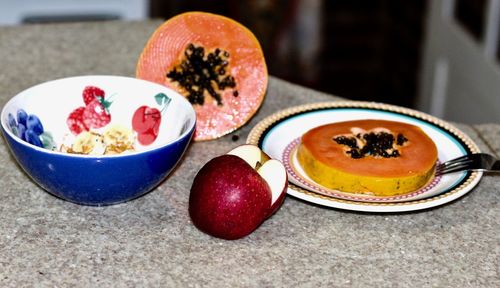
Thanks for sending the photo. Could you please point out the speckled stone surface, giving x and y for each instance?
(150, 241)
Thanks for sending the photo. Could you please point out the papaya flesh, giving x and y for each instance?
(376, 157)
(215, 62)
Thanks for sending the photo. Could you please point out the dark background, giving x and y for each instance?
(369, 50)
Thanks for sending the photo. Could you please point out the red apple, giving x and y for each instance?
(233, 194)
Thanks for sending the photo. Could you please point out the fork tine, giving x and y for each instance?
(458, 164)
(457, 160)
(446, 170)
(476, 161)
(454, 163)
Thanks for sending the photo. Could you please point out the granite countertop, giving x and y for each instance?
(150, 241)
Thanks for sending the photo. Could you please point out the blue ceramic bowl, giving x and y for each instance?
(98, 140)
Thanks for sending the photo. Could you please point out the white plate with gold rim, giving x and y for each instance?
(278, 135)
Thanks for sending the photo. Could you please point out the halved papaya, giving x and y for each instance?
(215, 62)
(376, 157)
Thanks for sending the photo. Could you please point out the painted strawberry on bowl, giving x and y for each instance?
(94, 114)
(110, 139)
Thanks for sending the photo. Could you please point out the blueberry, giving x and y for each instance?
(22, 116)
(21, 130)
(33, 138)
(12, 121)
(33, 123)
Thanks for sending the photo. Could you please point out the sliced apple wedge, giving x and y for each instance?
(251, 154)
(275, 175)
(271, 170)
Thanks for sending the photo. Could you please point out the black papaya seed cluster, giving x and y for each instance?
(200, 73)
(374, 144)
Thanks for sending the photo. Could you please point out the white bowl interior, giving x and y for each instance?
(53, 101)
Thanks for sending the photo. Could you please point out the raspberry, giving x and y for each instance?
(96, 114)
(75, 121)
(90, 93)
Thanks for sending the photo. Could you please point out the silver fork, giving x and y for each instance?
(477, 162)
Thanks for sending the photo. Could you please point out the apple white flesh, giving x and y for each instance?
(251, 154)
(274, 173)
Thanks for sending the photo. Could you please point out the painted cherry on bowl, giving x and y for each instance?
(146, 120)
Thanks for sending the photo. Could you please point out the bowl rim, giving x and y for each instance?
(189, 131)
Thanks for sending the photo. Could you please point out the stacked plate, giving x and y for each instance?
(279, 135)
